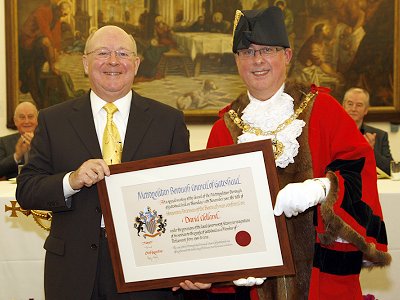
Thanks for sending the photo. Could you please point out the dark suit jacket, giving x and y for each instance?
(65, 138)
(8, 166)
(381, 148)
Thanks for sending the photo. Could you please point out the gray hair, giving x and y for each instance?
(356, 90)
(23, 103)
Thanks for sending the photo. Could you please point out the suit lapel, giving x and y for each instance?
(82, 121)
(138, 123)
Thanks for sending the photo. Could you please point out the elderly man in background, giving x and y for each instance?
(356, 104)
(14, 148)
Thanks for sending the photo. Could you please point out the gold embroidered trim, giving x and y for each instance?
(42, 215)
(238, 15)
(39, 216)
(277, 145)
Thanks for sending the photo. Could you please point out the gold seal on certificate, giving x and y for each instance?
(210, 209)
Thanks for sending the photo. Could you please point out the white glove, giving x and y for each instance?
(249, 281)
(297, 197)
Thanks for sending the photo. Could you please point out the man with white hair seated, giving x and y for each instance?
(14, 148)
(356, 104)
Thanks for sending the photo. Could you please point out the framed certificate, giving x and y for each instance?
(205, 216)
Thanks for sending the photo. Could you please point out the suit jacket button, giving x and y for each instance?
(98, 209)
(93, 246)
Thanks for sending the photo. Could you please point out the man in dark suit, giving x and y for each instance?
(14, 148)
(356, 104)
(66, 162)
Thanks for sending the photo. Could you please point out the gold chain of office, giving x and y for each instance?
(277, 146)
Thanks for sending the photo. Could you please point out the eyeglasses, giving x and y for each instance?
(104, 53)
(264, 52)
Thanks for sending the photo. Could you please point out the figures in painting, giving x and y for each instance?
(40, 42)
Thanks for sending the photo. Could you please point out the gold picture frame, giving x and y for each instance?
(210, 71)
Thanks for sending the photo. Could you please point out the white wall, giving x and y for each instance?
(198, 133)
(198, 136)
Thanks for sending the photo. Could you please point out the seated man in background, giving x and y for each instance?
(356, 104)
(14, 147)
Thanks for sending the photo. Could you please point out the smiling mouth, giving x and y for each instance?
(260, 73)
(113, 73)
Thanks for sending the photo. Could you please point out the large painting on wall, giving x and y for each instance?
(185, 49)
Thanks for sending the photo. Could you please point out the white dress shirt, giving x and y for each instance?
(120, 119)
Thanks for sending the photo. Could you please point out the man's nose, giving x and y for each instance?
(114, 57)
(258, 57)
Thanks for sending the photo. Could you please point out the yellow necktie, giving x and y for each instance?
(112, 144)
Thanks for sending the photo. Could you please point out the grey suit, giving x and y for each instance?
(381, 148)
(64, 139)
(8, 166)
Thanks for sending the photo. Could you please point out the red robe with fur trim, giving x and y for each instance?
(351, 211)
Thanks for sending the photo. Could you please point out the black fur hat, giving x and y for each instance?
(262, 27)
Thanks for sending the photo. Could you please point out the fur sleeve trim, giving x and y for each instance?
(335, 227)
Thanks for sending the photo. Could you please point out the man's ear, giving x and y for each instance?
(85, 64)
(136, 64)
(288, 55)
